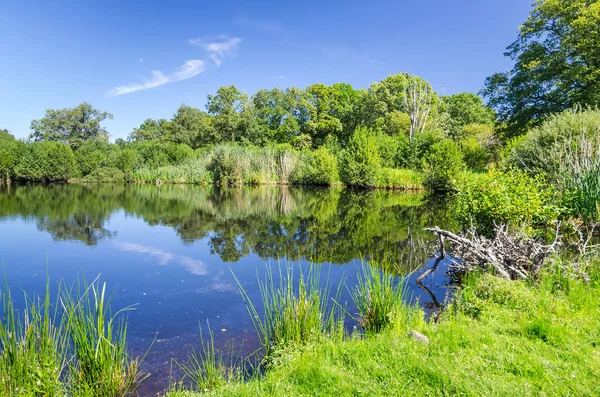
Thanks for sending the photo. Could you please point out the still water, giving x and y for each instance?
(172, 251)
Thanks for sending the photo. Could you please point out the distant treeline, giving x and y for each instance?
(318, 135)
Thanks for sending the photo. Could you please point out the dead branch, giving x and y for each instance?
(512, 255)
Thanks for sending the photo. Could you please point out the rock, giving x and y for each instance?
(419, 337)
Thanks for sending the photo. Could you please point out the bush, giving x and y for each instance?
(46, 162)
(413, 154)
(544, 149)
(388, 147)
(10, 151)
(444, 164)
(402, 179)
(317, 168)
(105, 175)
(360, 160)
(513, 198)
(92, 155)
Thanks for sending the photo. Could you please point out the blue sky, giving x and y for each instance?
(142, 59)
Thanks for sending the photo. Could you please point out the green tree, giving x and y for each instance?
(150, 130)
(73, 126)
(192, 127)
(464, 109)
(361, 161)
(320, 103)
(557, 64)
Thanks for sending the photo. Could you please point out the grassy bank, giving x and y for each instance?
(498, 338)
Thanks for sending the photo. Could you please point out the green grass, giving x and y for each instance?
(73, 347)
(500, 338)
(297, 309)
(378, 298)
(33, 345)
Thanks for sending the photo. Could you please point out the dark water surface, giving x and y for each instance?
(171, 250)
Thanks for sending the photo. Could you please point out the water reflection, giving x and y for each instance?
(332, 225)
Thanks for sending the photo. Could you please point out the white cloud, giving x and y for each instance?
(219, 47)
(280, 77)
(194, 266)
(188, 70)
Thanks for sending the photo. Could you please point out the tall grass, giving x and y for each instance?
(73, 348)
(33, 348)
(101, 365)
(211, 367)
(295, 310)
(378, 298)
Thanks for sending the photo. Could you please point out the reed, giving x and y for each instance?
(101, 365)
(295, 309)
(378, 298)
(32, 347)
(211, 367)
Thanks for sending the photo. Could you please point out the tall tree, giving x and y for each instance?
(557, 64)
(464, 109)
(149, 130)
(73, 126)
(191, 126)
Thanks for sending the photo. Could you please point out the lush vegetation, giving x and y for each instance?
(498, 337)
(321, 135)
(74, 346)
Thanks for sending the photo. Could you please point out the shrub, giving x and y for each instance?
(413, 154)
(46, 162)
(10, 151)
(105, 174)
(317, 168)
(92, 155)
(361, 161)
(388, 147)
(228, 164)
(393, 178)
(513, 198)
(444, 164)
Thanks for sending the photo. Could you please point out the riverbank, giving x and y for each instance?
(499, 337)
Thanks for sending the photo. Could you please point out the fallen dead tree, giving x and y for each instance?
(512, 255)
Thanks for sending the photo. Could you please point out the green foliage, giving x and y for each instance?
(46, 162)
(105, 175)
(73, 126)
(565, 149)
(556, 64)
(479, 145)
(10, 152)
(444, 164)
(388, 147)
(464, 109)
(361, 161)
(513, 198)
(317, 167)
(401, 179)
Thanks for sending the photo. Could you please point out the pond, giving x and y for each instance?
(173, 251)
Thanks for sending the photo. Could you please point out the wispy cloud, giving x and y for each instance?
(280, 77)
(219, 47)
(194, 266)
(188, 70)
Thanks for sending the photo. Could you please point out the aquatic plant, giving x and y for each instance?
(101, 364)
(32, 347)
(377, 296)
(295, 310)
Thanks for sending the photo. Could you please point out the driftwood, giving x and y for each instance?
(511, 255)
